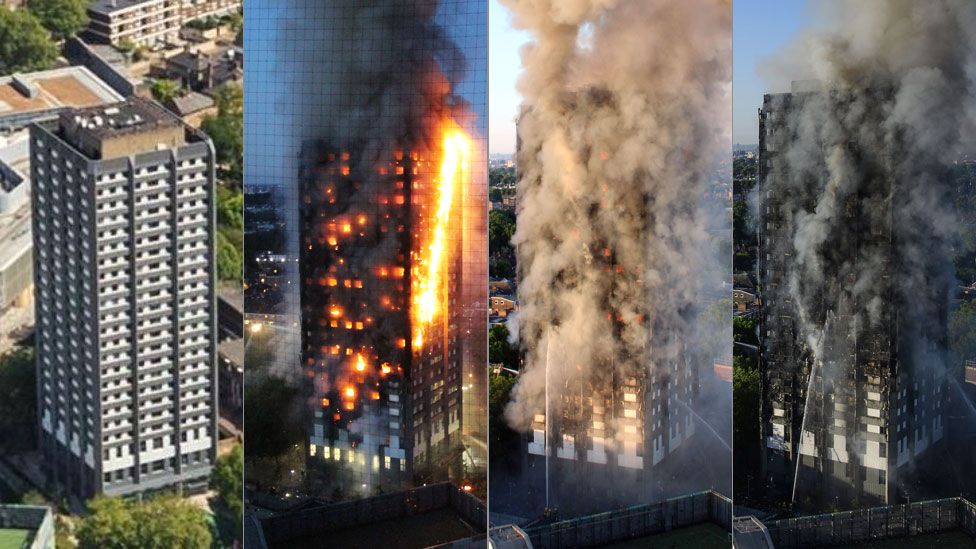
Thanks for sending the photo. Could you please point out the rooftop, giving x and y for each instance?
(111, 6)
(127, 117)
(190, 103)
(39, 92)
(131, 127)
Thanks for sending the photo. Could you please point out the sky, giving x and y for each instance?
(504, 65)
(760, 28)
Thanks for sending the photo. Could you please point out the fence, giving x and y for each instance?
(319, 520)
(896, 521)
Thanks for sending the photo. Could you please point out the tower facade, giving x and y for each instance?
(123, 222)
(851, 399)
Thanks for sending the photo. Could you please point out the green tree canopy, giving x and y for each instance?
(745, 425)
(226, 130)
(499, 393)
(271, 430)
(962, 331)
(25, 45)
(230, 208)
(229, 258)
(500, 351)
(228, 480)
(18, 405)
(501, 227)
(164, 89)
(744, 330)
(63, 18)
(161, 522)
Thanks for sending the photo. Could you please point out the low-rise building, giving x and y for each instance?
(32, 97)
(149, 22)
(201, 9)
(502, 305)
(137, 22)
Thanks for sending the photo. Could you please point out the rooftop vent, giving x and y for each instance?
(24, 86)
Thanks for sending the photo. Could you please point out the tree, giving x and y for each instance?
(501, 227)
(226, 130)
(500, 351)
(744, 330)
(230, 208)
(161, 522)
(25, 45)
(962, 332)
(18, 405)
(63, 18)
(110, 524)
(230, 263)
(33, 497)
(499, 393)
(164, 89)
(228, 480)
(745, 424)
(270, 429)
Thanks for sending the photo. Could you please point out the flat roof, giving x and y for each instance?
(127, 117)
(111, 6)
(74, 86)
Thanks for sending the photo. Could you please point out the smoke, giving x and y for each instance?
(625, 114)
(883, 104)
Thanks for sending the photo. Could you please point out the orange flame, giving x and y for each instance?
(360, 363)
(428, 290)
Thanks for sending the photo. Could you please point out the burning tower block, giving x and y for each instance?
(852, 394)
(389, 295)
(610, 422)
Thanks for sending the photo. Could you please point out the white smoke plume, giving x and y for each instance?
(626, 109)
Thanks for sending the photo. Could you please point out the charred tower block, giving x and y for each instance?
(388, 382)
(850, 405)
(123, 221)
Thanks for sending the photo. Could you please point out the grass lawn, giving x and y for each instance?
(12, 538)
(701, 536)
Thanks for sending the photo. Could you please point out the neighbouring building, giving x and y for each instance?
(845, 429)
(200, 9)
(29, 97)
(149, 22)
(123, 224)
(137, 22)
